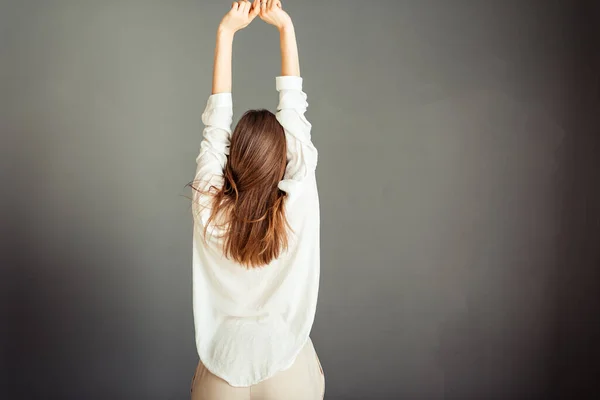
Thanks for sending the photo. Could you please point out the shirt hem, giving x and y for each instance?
(244, 384)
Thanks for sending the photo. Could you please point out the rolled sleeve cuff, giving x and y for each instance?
(219, 111)
(288, 82)
(220, 100)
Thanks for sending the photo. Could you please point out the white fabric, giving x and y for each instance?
(251, 323)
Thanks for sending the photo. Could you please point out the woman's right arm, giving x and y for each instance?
(301, 153)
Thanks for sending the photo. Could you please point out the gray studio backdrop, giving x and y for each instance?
(450, 148)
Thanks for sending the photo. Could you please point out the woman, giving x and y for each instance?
(256, 234)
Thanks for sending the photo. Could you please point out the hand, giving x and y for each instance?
(272, 13)
(240, 15)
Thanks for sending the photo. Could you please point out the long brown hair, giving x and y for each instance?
(249, 200)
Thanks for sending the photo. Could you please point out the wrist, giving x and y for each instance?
(287, 27)
(225, 31)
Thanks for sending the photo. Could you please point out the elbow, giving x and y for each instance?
(296, 125)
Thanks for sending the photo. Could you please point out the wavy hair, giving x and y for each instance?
(249, 201)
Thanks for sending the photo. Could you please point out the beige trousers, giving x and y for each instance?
(304, 380)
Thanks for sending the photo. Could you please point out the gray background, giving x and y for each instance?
(458, 180)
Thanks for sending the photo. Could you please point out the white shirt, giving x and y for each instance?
(252, 323)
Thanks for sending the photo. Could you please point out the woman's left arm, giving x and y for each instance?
(239, 17)
(218, 114)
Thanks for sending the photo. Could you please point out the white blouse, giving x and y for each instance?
(251, 323)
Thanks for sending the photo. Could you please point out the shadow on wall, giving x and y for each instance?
(56, 299)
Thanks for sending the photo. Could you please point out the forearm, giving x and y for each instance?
(290, 65)
(222, 65)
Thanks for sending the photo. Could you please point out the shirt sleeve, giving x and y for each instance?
(301, 153)
(214, 147)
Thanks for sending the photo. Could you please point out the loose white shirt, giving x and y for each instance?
(252, 323)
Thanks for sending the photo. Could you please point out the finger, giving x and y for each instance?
(246, 5)
(263, 6)
(255, 9)
(269, 4)
(248, 8)
(234, 6)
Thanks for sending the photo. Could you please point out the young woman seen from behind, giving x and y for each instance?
(256, 233)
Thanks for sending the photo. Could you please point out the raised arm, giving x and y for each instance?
(218, 114)
(301, 153)
(240, 16)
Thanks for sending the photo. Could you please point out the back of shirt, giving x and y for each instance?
(251, 323)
